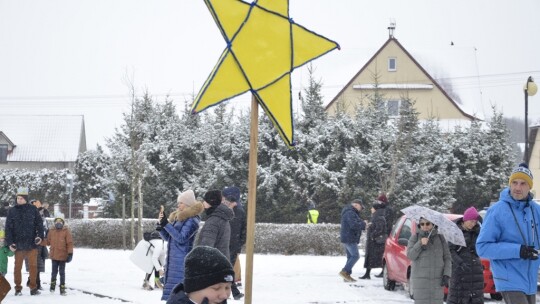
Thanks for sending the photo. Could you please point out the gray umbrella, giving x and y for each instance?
(446, 227)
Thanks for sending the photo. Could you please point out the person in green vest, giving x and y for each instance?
(313, 214)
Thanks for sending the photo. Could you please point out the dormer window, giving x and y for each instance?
(392, 67)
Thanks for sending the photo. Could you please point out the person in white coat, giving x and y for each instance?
(158, 247)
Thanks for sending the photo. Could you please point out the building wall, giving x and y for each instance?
(429, 103)
(534, 164)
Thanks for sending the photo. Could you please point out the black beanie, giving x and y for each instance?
(213, 197)
(206, 266)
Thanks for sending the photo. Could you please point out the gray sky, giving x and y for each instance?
(71, 57)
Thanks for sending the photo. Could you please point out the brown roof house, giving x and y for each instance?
(398, 76)
(41, 141)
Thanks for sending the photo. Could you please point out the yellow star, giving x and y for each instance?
(263, 47)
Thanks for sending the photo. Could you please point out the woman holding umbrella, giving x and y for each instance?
(431, 263)
(467, 284)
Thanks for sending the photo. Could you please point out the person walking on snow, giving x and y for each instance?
(375, 240)
(351, 230)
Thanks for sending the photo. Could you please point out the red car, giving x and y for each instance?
(397, 267)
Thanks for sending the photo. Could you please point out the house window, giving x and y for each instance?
(3, 153)
(392, 107)
(392, 64)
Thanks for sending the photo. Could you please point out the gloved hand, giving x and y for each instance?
(444, 280)
(528, 253)
(69, 258)
(464, 267)
(164, 221)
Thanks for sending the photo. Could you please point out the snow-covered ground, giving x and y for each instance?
(277, 279)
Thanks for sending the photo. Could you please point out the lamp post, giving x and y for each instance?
(69, 188)
(530, 89)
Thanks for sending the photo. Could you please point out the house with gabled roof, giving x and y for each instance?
(41, 141)
(397, 76)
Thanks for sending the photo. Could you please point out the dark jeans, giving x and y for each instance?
(518, 297)
(59, 266)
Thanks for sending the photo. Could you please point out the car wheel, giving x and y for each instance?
(410, 288)
(496, 296)
(387, 283)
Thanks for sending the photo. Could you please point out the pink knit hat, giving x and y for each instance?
(470, 214)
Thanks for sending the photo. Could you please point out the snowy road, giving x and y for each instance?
(277, 279)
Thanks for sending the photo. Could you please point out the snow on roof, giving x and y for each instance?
(394, 86)
(44, 138)
(449, 125)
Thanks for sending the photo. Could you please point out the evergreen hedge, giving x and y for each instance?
(286, 239)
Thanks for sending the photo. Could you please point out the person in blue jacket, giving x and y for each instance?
(179, 230)
(351, 230)
(509, 239)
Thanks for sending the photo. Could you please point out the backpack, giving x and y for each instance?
(148, 236)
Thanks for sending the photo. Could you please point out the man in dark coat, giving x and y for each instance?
(238, 229)
(351, 230)
(24, 230)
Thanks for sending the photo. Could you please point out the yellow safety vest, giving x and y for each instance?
(312, 216)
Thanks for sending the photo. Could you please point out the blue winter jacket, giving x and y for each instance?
(180, 235)
(500, 241)
(351, 225)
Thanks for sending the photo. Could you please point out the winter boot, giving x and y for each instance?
(53, 285)
(238, 296)
(146, 285)
(63, 290)
(18, 292)
(365, 277)
(346, 277)
(35, 292)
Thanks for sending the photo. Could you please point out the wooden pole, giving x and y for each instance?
(252, 196)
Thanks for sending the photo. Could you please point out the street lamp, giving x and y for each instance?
(69, 188)
(530, 89)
